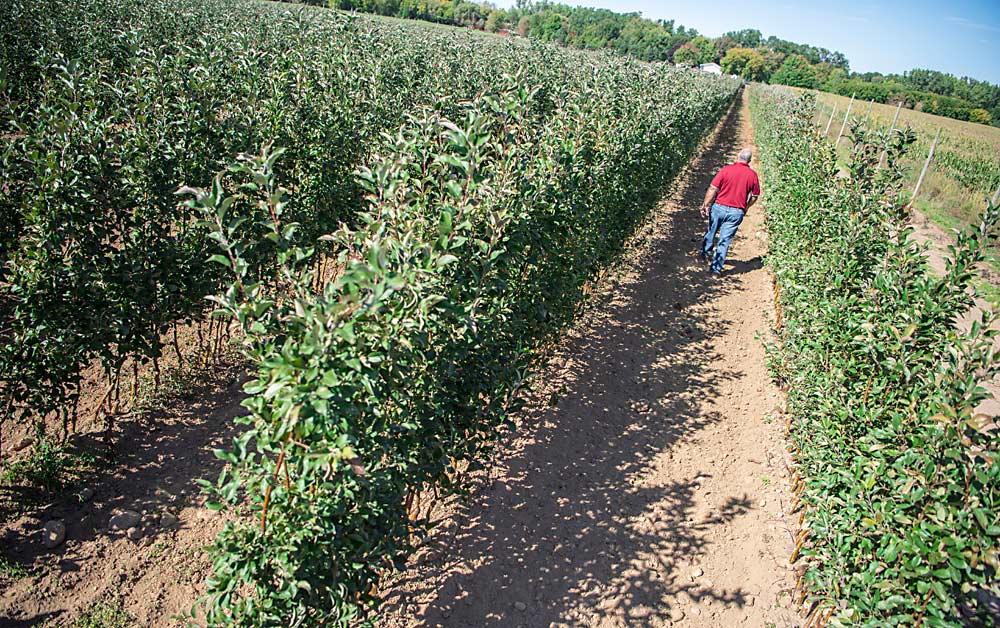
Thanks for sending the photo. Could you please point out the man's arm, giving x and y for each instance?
(753, 193)
(709, 199)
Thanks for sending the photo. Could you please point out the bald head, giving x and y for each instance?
(745, 155)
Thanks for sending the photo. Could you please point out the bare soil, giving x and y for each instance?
(646, 486)
(160, 574)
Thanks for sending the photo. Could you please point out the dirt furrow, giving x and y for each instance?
(646, 486)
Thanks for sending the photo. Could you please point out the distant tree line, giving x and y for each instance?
(746, 53)
(925, 90)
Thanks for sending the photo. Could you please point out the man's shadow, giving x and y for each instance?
(739, 267)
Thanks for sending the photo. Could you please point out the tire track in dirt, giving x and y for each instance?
(646, 484)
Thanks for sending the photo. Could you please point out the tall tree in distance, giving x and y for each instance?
(772, 61)
(744, 62)
(746, 38)
(797, 72)
(492, 21)
(706, 49)
(724, 44)
(687, 54)
(523, 26)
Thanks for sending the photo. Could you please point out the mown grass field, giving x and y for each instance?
(966, 166)
(964, 173)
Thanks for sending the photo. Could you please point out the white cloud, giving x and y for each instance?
(967, 23)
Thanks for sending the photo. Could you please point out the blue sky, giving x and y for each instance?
(961, 37)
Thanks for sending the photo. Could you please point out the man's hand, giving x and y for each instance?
(706, 205)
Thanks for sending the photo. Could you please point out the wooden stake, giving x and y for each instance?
(833, 112)
(217, 352)
(206, 355)
(871, 103)
(996, 195)
(892, 127)
(201, 339)
(267, 493)
(135, 382)
(177, 349)
(104, 398)
(847, 115)
(117, 407)
(156, 373)
(927, 164)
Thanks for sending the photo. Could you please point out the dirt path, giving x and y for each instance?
(646, 486)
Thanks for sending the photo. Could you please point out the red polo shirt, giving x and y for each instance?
(736, 182)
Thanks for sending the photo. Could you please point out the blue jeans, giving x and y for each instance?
(723, 220)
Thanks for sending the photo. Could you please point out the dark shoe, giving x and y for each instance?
(716, 275)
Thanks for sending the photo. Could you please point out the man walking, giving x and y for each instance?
(733, 191)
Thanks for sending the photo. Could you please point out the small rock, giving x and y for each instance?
(676, 614)
(763, 503)
(697, 572)
(124, 520)
(24, 443)
(521, 606)
(167, 520)
(750, 600)
(134, 533)
(86, 494)
(638, 612)
(54, 533)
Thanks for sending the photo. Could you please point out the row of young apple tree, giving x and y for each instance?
(896, 475)
(453, 247)
(107, 107)
(483, 221)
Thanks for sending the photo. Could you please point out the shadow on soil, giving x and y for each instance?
(151, 470)
(577, 530)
